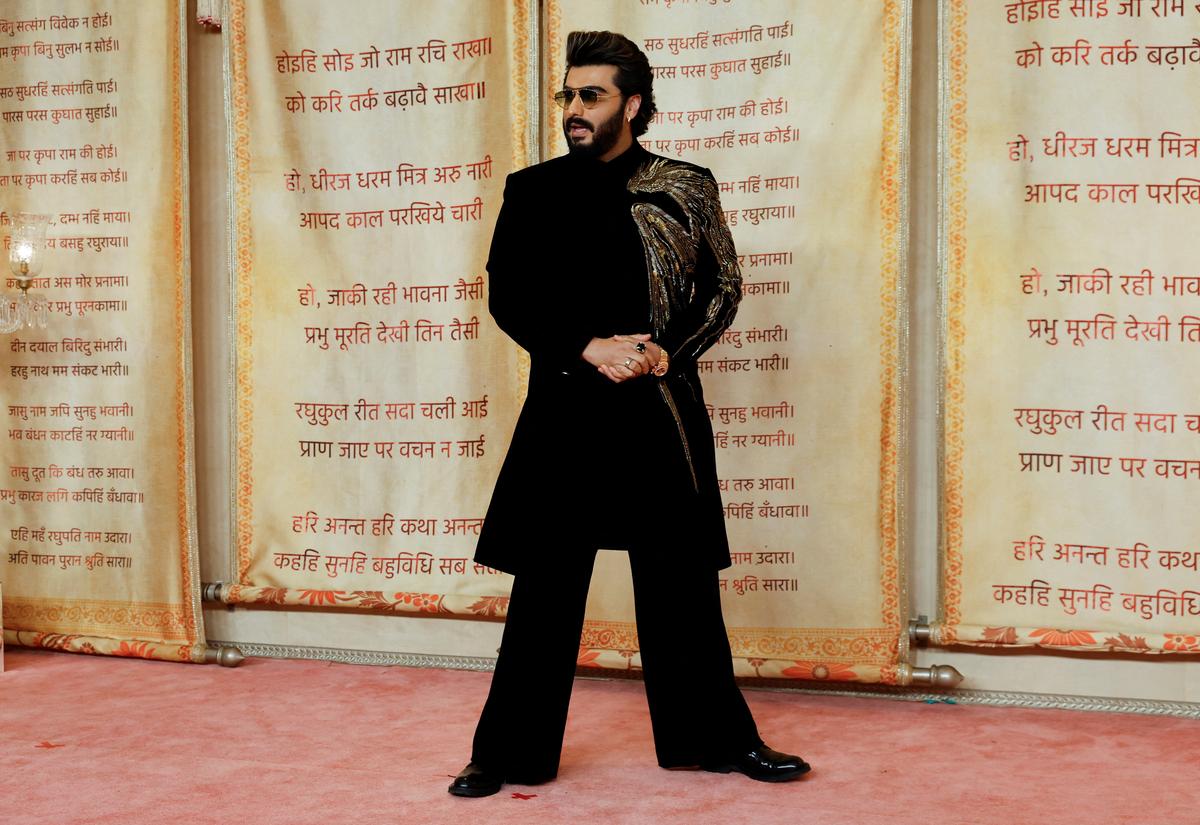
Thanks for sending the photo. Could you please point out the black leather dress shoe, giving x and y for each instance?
(762, 763)
(475, 781)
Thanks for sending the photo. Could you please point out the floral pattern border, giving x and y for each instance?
(1105, 641)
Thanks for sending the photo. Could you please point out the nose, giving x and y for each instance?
(576, 105)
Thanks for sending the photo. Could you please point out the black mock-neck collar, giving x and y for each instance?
(628, 160)
(623, 165)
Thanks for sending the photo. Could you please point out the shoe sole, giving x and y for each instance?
(779, 777)
(473, 792)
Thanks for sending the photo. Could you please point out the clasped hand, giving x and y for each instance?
(617, 358)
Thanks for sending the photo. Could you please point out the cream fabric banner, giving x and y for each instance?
(374, 394)
(96, 493)
(1072, 405)
(797, 106)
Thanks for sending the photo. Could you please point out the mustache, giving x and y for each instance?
(576, 121)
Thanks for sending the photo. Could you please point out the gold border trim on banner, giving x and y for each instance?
(554, 69)
(890, 642)
(231, 280)
(185, 380)
(103, 616)
(952, 241)
(374, 601)
(1048, 638)
(897, 58)
(815, 670)
(823, 644)
(105, 646)
(238, 114)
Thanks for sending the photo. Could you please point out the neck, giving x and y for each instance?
(618, 148)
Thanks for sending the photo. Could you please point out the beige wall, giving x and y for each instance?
(1130, 677)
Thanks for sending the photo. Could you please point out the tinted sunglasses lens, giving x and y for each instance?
(588, 97)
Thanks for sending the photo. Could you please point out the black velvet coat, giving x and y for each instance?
(586, 249)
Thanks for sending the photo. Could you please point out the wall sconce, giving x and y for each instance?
(26, 255)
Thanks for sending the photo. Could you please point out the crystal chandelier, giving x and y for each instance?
(26, 254)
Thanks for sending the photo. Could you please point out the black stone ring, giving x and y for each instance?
(640, 346)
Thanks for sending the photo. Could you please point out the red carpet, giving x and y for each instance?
(98, 740)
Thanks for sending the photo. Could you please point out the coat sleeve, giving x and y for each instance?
(520, 297)
(717, 284)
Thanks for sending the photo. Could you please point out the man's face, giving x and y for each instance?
(593, 132)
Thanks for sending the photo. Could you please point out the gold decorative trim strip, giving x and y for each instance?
(375, 601)
(105, 646)
(952, 242)
(1104, 641)
(873, 646)
(894, 228)
(553, 62)
(237, 102)
(160, 621)
(525, 106)
(185, 428)
(825, 670)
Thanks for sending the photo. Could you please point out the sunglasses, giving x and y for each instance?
(588, 97)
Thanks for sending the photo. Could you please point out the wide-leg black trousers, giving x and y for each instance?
(697, 712)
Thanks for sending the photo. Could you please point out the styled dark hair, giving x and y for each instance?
(633, 69)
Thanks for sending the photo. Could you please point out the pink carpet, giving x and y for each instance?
(98, 740)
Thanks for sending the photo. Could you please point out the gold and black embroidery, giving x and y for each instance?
(672, 251)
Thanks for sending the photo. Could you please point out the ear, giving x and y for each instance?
(632, 104)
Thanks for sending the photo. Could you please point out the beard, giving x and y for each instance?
(604, 135)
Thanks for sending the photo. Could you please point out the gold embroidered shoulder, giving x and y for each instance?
(672, 253)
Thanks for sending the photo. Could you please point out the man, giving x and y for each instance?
(615, 270)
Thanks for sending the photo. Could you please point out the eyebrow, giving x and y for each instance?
(581, 88)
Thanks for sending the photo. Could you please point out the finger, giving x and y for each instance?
(642, 361)
(636, 365)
